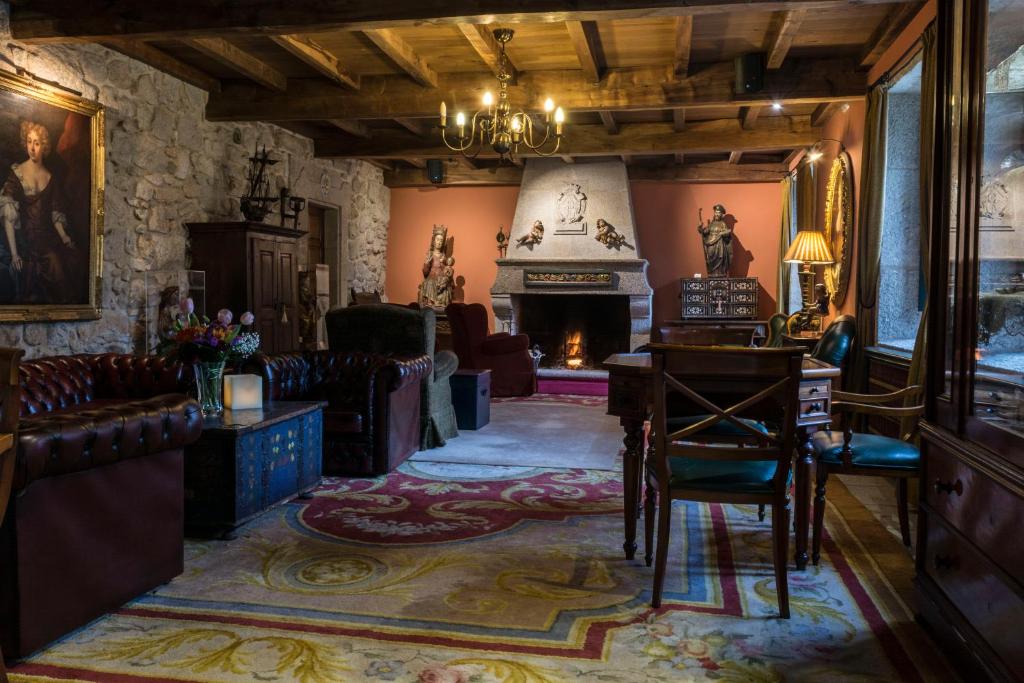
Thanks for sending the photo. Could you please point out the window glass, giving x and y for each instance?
(900, 285)
(999, 356)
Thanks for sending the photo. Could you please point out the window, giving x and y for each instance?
(901, 289)
(999, 355)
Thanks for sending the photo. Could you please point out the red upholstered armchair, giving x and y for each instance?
(506, 355)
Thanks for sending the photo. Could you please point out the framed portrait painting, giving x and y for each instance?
(51, 203)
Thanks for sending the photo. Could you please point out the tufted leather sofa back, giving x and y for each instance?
(62, 382)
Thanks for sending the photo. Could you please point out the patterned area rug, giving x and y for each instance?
(443, 573)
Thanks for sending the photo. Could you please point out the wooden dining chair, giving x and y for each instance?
(849, 452)
(741, 389)
(10, 413)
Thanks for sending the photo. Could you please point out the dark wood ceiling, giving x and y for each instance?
(650, 83)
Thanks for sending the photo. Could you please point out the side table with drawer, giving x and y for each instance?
(247, 461)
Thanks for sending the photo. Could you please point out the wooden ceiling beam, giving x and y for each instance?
(382, 164)
(627, 159)
(488, 48)
(678, 119)
(684, 39)
(680, 158)
(826, 110)
(317, 57)
(700, 137)
(793, 156)
(711, 172)
(568, 159)
(804, 81)
(779, 41)
(888, 30)
(418, 163)
(399, 51)
(455, 175)
(734, 157)
(241, 61)
(162, 61)
(587, 43)
(352, 127)
(748, 115)
(55, 21)
(610, 124)
(413, 126)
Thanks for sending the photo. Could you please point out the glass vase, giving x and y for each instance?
(210, 387)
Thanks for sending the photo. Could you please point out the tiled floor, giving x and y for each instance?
(878, 495)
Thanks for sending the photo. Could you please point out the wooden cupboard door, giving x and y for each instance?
(287, 297)
(263, 260)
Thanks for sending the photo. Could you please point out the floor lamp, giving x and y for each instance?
(809, 248)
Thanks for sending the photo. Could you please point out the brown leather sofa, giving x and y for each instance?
(372, 418)
(96, 513)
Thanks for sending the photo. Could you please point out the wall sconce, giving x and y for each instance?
(295, 204)
(817, 150)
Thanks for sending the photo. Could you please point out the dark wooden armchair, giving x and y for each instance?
(749, 466)
(849, 452)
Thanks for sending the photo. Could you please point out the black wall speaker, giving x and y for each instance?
(435, 171)
(749, 73)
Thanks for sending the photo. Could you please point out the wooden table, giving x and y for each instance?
(630, 398)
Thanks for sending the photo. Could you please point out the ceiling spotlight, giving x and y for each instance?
(845, 106)
(777, 106)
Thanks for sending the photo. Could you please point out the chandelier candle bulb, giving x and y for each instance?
(488, 100)
(559, 120)
(444, 114)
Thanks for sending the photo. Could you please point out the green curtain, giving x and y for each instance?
(782, 279)
(869, 231)
(929, 54)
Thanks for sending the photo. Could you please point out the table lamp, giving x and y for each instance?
(809, 248)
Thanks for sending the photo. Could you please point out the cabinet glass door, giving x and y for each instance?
(998, 397)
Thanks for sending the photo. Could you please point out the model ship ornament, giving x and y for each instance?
(258, 201)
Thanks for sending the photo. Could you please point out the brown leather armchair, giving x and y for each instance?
(372, 419)
(507, 356)
(96, 514)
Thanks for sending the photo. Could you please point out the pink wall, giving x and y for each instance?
(666, 218)
(472, 215)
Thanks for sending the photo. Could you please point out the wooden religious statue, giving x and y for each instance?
(438, 274)
(717, 237)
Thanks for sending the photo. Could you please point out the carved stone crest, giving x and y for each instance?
(571, 205)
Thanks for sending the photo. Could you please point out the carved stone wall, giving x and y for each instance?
(166, 165)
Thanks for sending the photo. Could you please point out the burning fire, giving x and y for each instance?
(574, 350)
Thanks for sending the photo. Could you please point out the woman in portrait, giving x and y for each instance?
(36, 250)
(436, 289)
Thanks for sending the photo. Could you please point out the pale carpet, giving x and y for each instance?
(539, 431)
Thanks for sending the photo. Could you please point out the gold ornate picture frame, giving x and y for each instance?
(839, 227)
(51, 203)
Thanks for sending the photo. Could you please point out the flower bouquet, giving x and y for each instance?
(208, 345)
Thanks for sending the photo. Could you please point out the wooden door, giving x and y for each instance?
(263, 296)
(287, 295)
(315, 243)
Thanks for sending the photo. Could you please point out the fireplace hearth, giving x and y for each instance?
(575, 331)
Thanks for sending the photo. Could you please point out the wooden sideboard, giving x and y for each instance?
(252, 266)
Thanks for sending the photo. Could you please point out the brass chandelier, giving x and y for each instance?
(498, 126)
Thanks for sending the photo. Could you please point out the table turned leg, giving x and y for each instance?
(802, 499)
(632, 465)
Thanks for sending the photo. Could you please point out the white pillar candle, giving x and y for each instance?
(242, 392)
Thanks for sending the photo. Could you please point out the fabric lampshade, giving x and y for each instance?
(809, 246)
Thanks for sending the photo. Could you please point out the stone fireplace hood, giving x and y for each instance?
(569, 199)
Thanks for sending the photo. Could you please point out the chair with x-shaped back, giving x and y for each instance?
(745, 464)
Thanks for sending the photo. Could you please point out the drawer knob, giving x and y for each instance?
(813, 408)
(813, 390)
(956, 487)
(943, 562)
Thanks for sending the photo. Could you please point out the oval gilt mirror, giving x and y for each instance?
(839, 226)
